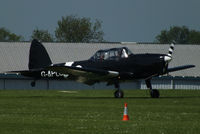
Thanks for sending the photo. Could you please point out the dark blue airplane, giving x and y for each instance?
(113, 66)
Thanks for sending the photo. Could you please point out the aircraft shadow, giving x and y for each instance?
(170, 97)
(96, 97)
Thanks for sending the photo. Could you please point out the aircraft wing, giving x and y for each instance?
(79, 70)
(85, 75)
(173, 69)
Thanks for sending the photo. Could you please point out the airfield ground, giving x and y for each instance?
(97, 112)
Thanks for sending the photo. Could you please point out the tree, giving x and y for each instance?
(6, 35)
(194, 37)
(75, 29)
(181, 35)
(177, 34)
(42, 35)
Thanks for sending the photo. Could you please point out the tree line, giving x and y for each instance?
(69, 29)
(181, 35)
(76, 29)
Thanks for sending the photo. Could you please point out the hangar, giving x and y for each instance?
(14, 56)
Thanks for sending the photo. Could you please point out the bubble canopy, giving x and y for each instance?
(112, 54)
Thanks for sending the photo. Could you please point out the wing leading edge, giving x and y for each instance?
(85, 75)
(173, 69)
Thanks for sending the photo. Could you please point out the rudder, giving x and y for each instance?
(38, 56)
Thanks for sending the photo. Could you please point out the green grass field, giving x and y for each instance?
(97, 112)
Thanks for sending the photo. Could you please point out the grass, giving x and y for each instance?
(97, 112)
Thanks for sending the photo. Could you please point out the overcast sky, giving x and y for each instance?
(123, 20)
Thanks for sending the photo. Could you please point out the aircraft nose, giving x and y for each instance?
(167, 58)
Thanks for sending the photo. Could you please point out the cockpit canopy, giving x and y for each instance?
(112, 54)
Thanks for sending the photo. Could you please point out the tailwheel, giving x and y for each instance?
(33, 83)
(119, 94)
(154, 93)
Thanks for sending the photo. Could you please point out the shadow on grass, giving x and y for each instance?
(179, 97)
(96, 97)
(172, 97)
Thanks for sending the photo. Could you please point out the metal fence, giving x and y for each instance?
(164, 82)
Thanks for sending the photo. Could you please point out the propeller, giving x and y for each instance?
(168, 57)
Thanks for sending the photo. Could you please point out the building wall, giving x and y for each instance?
(15, 55)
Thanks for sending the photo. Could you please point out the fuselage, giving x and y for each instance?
(105, 65)
(136, 66)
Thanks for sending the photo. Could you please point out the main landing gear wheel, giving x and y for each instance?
(119, 94)
(155, 93)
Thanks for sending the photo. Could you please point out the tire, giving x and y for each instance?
(119, 94)
(33, 83)
(155, 93)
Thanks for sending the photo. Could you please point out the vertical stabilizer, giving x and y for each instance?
(38, 56)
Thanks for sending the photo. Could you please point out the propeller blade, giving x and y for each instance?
(171, 49)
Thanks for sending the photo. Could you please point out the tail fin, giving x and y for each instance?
(38, 56)
(171, 49)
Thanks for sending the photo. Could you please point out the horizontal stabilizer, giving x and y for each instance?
(173, 69)
(27, 73)
(21, 72)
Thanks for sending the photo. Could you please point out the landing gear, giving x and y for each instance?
(153, 92)
(33, 83)
(118, 93)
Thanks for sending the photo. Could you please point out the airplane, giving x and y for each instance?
(114, 66)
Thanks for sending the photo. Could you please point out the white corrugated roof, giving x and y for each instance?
(14, 55)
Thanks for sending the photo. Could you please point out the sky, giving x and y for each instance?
(122, 20)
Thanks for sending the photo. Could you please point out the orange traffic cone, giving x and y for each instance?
(125, 116)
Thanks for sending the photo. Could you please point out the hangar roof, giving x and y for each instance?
(14, 55)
